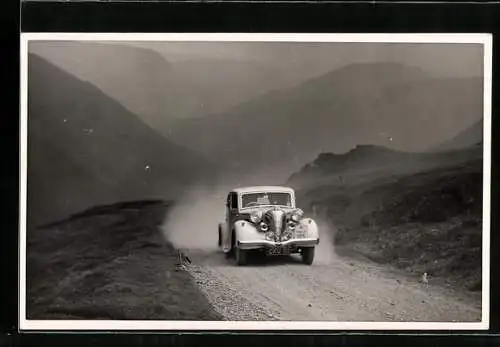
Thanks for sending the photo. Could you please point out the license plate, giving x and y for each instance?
(278, 251)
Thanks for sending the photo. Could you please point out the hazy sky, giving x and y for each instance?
(437, 58)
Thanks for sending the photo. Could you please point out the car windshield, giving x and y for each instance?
(263, 198)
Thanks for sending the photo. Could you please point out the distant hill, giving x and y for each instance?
(84, 148)
(140, 79)
(219, 84)
(368, 162)
(472, 136)
(384, 104)
(157, 89)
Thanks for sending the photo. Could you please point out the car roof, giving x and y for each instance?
(252, 189)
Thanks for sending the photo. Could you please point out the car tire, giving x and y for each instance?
(308, 255)
(241, 256)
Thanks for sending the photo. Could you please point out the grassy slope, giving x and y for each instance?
(110, 263)
(429, 221)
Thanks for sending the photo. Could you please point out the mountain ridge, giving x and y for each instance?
(471, 136)
(290, 127)
(367, 162)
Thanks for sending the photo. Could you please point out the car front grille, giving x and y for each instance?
(276, 221)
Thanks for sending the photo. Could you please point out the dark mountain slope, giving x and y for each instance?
(85, 148)
(140, 79)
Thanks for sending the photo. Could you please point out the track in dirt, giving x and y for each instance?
(332, 289)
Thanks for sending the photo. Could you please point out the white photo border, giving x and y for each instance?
(135, 325)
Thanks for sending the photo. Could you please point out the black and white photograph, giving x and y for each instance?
(255, 181)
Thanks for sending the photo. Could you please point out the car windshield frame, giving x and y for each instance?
(269, 193)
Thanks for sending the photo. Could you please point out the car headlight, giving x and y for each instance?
(291, 225)
(256, 217)
(264, 226)
(297, 215)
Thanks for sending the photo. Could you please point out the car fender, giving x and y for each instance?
(246, 231)
(311, 228)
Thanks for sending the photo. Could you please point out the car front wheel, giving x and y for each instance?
(308, 255)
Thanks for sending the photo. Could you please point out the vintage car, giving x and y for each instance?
(265, 219)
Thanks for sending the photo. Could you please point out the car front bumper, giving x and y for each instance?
(294, 243)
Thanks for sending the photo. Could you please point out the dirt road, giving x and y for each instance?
(332, 289)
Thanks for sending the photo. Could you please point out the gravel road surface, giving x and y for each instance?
(334, 288)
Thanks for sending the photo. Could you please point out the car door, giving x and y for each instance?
(228, 208)
(231, 211)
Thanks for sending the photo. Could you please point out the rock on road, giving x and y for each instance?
(332, 289)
